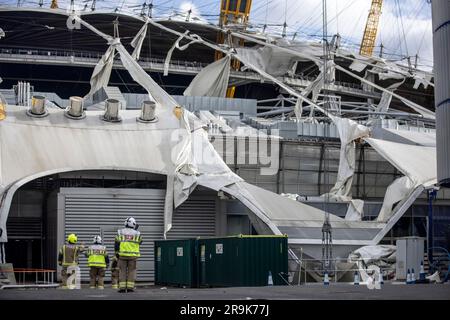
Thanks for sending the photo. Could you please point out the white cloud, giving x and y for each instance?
(349, 18)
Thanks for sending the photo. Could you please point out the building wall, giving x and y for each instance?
(97, 211)
(309, 168)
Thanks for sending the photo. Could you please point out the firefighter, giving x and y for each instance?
(68, 257)
(126, 246)
(114, 273)
(98, 261)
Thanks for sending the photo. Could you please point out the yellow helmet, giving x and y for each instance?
(72, 238)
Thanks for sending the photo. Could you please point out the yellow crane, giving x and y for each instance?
(235, 12)
(370, 32)
(2, 110)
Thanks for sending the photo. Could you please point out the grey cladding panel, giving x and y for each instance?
(338, 233)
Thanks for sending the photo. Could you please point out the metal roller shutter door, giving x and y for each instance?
(95, 211)
(194, 218)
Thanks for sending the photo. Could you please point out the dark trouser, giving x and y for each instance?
(115, 278)
(97, 275)
(127, 272)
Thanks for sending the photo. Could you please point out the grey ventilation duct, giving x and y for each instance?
(111, 114)
(37, 108)
(148, 112)
(75, 108)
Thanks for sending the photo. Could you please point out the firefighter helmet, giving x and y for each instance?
(72, 238)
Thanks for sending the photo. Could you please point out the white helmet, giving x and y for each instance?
(97, 240)
(130, 223)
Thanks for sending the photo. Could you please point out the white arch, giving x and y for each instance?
(9, 192)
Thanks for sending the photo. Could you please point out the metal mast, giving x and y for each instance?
(370, 32)
(326, 227)
(237, 14)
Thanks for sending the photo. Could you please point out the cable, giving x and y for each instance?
(337, 17)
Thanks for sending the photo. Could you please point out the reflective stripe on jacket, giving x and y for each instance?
(69, 254)
(129, 242)
(97, 256)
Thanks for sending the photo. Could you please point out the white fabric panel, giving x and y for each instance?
(358, 66)
(212, 173)
(384, 103)
(349, 131)
(102, 71)
(422, 79)
(303, 51)
(398, 190)
(30, 146)
(174, 156)
(355, 210)
(155, 92)
(181, 48)
(274, 62)
(298, 109)
(416, 162)
(372, 253)
(393, 69)
(386, 97)
(168, 204)
(385, 73)
(163, 99)
(212, 81)
(284, 211)
(427, 139)
(138, 40)
(423, 111)
(249, 64)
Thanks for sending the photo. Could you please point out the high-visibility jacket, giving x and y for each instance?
(68, 254)
(128, 242)
(97, 256)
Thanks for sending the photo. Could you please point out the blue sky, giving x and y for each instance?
(405, 26)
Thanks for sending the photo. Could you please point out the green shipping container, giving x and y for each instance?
(243, 261)
(175, 262)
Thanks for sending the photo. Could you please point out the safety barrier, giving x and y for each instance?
(26, 276)
(313, 268)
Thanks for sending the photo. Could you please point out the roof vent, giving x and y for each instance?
(112, 111)
(148, 112)
(75, 109)
(37, 108)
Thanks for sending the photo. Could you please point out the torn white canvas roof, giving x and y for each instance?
(211, 81)
(416, 162)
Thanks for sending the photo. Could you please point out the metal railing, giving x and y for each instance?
(33, 277)
(314, 269)
(148, 62)
(95, 56)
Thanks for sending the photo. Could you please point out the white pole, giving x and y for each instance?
(28, 94)
(20, 93)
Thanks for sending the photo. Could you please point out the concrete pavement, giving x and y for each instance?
(339, 291)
